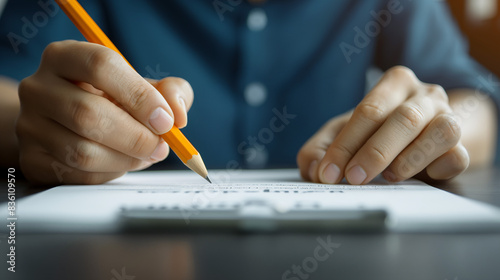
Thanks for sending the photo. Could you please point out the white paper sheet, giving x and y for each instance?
(412, 206)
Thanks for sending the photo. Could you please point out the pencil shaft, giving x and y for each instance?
(179, 144)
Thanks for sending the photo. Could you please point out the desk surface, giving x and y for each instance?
(278, 256)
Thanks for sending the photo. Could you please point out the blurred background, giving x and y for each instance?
(479, 21)
(2, 3)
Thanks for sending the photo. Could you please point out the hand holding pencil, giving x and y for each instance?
(90, 117)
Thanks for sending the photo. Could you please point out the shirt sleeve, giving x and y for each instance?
(423, 36)
(27, 27)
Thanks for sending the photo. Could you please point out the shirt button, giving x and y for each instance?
(257, 19)
(258, 158)
(255, 94)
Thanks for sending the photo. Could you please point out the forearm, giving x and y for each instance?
(478, 117)
(9, 110)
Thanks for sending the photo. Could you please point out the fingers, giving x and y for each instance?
(88, 111)
(86, 155)
(94, 118)
(400, 129)
(179, 96)
(315, 148)
(393, 123)
(43, 169)
(368, 116)
(439, 138)
(75, 151)
(68, 158)
(449, 165)
(106, 70)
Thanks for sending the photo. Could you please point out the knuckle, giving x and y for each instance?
(410, 116)
(85, 155)
(52, 51)
(173, 85)
(396, 169)
(450, 128)
(437, 91)
(342, 150)
(401, 168)
(378, 155)
(167, 86)
(371, 112)
(26, 89)
(181, 82)
(84, 115)
(402, 72)
(98, 62)
(186, 89)
(138, 96)
(140, 145)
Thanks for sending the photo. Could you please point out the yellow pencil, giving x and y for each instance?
(174, 138)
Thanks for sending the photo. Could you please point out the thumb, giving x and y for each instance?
(179, 95)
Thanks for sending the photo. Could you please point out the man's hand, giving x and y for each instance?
(87, 117)
(403, 126)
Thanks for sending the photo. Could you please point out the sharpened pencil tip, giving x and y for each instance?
(208, 179)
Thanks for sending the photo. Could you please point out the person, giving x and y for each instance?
(277, 83)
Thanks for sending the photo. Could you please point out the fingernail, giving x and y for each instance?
(161, 121)
(389, 176)
(356, 175)
(182, 103)
(331, 174)
(312, 170)
(161, 152)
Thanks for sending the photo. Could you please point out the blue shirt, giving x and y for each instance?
(266, 77)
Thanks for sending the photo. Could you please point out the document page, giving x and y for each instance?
(411, 206)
